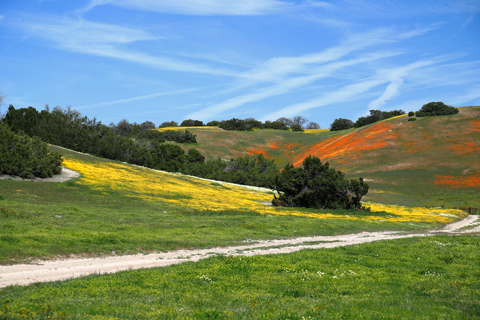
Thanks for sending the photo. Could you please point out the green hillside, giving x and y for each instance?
(428, 162)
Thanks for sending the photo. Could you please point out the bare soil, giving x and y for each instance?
(63, 176)
(53, 270)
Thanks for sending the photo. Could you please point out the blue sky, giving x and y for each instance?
(162, 60)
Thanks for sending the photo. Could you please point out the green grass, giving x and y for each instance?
(416, 278)
(43, 220)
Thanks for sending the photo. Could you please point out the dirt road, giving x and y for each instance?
(72, 268)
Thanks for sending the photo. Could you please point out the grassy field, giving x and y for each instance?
(115, 207)
(416, 278)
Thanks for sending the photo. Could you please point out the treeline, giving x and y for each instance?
(429, 109)
(375, 116)
(315, 185)
(297, 123)
(135, 144)
(26, 157)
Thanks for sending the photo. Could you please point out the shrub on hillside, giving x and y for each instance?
(341, 124)
(26, 157)
(377, 115)
(191, 123)
(213, 123)
(275, 125)
(412, 119)
(168, 124)
(411, 114)
(436, 109)
(297, 128)
(317, 186)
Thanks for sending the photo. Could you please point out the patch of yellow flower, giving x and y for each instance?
(418, 213)
(315, 130)
(200, 194)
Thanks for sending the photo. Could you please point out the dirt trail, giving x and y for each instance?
(72, 268)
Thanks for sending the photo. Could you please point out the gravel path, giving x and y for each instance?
(72, 268)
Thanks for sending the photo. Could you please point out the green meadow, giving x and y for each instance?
(418, 278)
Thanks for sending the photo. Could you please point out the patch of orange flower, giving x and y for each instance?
(476, 125)
(374, 137)
(254, 151)
(459, 182)
(287, 149)
(466, 148)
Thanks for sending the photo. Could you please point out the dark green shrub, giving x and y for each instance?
(341, 124)
(213, 123)
(168, 124)
(297, 128)
(317, 186)
(377, 115)
(191, 123)
(411, 114)
(235, 124)
(412, 119)
(436, 109)
(26, 157)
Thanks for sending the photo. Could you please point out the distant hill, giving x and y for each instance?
(429, 162)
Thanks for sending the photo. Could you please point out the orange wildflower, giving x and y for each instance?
(459, 182)
(374, 137)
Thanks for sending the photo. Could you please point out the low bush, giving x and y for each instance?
(297, 128)
(341, 124)
(317, 186)
(411, 114)
(412, 119)
(26, 157)
(377, 115)
(436, 109)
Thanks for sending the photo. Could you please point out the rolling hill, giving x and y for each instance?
(429, 162)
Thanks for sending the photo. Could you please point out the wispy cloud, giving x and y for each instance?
(134, 99)
(290, 73)
(354, 90)
(82, 36)
(470, 96)
(284, 86)
(197, 7)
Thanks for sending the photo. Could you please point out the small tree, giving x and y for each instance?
(341, 124)
(168, 124)
(286, 121)
(298, 120)
(436, 109)
(317, 186)
(296, 127)
(191, 123)
(2, 97)
(313, 125)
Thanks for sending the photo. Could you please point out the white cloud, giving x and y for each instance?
(284, 86)
(472, 95)
(78, 35)
(343, 94)
(354, 90)
(73, 32)
(390, 92)
(146, 97)
(197, 7)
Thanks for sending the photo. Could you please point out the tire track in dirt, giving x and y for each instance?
(53, 270)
